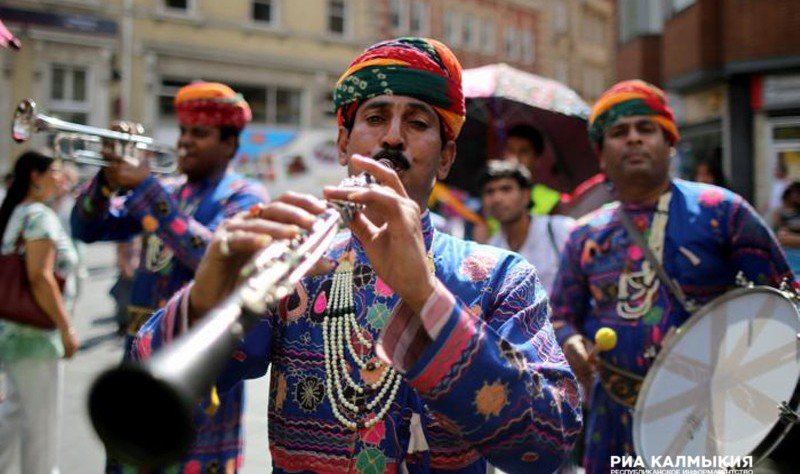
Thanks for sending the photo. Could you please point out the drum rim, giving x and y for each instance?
(778, 431)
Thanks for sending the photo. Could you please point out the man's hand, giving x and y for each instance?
(581, 359)
(237, 240)
(395, 248)
(124, 172)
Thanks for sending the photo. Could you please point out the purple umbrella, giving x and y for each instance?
(499, 97)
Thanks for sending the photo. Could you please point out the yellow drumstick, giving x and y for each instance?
(605, 339)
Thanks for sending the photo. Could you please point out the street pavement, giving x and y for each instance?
(81, 451)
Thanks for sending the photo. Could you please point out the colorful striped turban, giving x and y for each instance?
(421, 68)
(211, 104)
(628, 98)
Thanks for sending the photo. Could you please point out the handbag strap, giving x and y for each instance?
(638, 239)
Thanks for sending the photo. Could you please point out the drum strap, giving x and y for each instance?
(637, 237)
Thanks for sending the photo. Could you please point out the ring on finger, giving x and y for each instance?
(224, 248)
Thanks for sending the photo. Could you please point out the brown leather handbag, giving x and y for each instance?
(17, 302)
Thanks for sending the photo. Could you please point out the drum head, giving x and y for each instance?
(716, 387)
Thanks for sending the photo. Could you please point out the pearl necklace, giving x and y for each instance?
(339, 328)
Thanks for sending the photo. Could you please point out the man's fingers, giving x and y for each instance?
(307, 202)
(287, 213)
(385, 175)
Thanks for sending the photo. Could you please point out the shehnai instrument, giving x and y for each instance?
(158, 396)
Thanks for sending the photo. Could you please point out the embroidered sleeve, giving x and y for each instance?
(157, 211)
(499, 382)
(570, 295)
(96, 216)
(754, 248)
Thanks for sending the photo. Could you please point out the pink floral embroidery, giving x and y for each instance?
(711, 197)
(634, 252)
(478, 266)
(321, 303)
(382, 289)
(178, 226)
(375, 434)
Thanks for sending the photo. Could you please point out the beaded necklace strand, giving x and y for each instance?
(339, 328)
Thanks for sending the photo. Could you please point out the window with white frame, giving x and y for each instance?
(337, 17)
(528, 47)
(398, 11)
(639, 17)
(470, 31)
(452, 28)
(488, 41)
(264, 11)
(269, 104)
(420, 18)
(69, 99)
(512, 48)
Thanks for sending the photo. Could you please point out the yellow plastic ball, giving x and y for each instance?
(605, 339)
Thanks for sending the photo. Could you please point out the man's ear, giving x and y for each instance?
(342, 140)
(231, 142)
(448, 157)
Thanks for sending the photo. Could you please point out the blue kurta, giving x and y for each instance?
(493, 384)
(176, 220)
(711, 234)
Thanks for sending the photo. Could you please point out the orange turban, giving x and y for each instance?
(211, 104)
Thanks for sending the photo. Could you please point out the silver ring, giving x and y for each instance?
(224, 248)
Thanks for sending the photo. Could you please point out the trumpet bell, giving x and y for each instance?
(22, 127)
(83, 144)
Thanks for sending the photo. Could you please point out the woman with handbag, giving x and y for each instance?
(29, 355)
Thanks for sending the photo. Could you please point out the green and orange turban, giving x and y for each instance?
(211, 104)
(628, 98)
(421, 68)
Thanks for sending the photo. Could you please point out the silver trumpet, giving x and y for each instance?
(83, 144)
(144, 412)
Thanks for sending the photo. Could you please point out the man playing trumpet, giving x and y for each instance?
(419, 351)
(177, 218)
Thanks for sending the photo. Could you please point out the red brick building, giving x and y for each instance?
(732, 68)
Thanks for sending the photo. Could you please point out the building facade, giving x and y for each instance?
(732, 68)
(91, 61)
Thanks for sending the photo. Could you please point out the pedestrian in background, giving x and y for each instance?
(30, 413)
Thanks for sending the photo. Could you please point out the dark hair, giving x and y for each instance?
(794, 186)
(26, 163)
(500, 169)
(713, 161)
(529, 133)
(227, 132)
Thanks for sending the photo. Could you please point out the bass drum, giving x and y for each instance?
(721, 385)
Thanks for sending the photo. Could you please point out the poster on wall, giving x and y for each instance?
(283, 160)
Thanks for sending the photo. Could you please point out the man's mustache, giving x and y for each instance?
(396, 159)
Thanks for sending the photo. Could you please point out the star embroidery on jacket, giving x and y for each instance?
(491, 398)
(309, 394)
